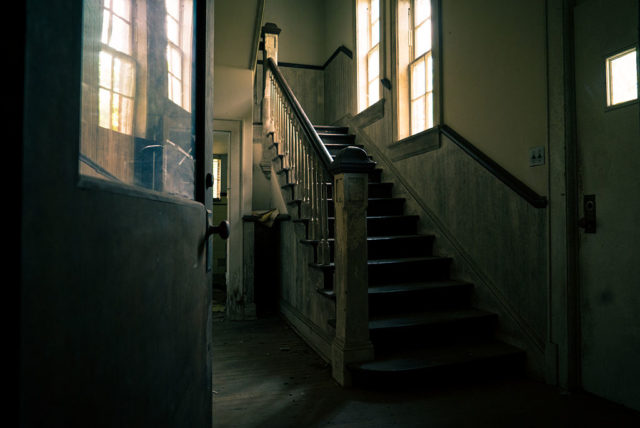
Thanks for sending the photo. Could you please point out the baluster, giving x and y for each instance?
(324, 252)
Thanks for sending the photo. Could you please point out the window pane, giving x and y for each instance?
(123, 76)
(375, 10)
(423, 38)
(429, 73)
(173, 30)
(375, 33)
(173, 8)
(418, 79)
(105, 65)
(373, 65)
(120, 35)
(622, 76)
(374, 92)
(422, 11)
(429, 112)
(122, 8)
(131, 132)
(417, 115)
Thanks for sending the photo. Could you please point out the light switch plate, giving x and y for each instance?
(536, 156)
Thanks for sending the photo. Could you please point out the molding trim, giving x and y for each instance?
(422, 142)
(340, 49)
(370, 115)
(308, 331)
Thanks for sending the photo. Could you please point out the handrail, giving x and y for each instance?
(305, 123)
(499, 172)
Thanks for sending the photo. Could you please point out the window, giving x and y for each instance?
(622, 77)
(368, 13)
(421, 67)
(116, 68)
(178, 53)
(132, 132)
(415, 29)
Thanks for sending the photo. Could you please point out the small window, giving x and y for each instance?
(421, 67)
(622, 77)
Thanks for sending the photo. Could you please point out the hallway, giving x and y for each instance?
(265, 376)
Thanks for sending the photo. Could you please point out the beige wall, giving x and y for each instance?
(494, 80)
(302, 23)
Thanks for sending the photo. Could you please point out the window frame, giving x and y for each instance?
(402, 59)
(365, 51)
(184, 80)
(608, 77)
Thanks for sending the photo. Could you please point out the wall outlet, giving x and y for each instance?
(536, 156)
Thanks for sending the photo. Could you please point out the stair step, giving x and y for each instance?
(428, 328)
(375, 190)
(328, 129)
(447, 363)
(378, 206)
(415, 296)
(385, 247)
(387, 225)
(330, 137)
(408, 269)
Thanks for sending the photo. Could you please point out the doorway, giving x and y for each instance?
(608, 151)
(220, 190)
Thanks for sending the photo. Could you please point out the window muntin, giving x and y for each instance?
(131, 132)
(421, 68)
(622, 77)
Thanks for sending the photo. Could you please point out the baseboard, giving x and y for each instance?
(318, 340)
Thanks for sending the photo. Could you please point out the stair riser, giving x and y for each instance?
(423, 300)
(331, 129)
(510, 366)
(435, 269)
(375, 190)
(467, 330)
(338, 139)
(335, 148)
(378, 207)
(386, 226)
(394, 248)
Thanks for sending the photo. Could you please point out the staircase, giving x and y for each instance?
(421, 321)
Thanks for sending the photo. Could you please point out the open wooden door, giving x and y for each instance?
(608, 138)
(115, 288)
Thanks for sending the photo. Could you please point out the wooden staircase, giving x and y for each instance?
(422, 323)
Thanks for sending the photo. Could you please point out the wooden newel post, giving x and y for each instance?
(351, 343)
(270, 34)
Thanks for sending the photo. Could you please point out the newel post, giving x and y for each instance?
(270, 34)
(351, 343)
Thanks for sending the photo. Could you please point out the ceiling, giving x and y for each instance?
(235, 38)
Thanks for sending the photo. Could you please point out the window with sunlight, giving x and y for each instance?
(622, 77)
(421, 67)
(179, 53)
(368, 14)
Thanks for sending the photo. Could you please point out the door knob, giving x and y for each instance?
(221, 229)
(588, 222)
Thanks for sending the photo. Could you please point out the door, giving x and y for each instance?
(115, 293)
(608, 138)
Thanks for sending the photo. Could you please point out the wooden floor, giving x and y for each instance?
(265, 376)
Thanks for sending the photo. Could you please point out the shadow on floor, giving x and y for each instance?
(264, 375)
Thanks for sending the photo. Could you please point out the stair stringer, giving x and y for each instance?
(512, 328)
(306, 311)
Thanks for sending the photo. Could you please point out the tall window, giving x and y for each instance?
(116, 68)
(179, 52)
(368, 13)
(421, 67)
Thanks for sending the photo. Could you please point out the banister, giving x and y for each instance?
(499, 172)
(305, 123)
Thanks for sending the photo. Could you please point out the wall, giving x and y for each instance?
(493, 93)
(494, 80)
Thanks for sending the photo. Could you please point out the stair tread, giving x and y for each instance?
(387, 261)
(426, 318)
(393, 216)
(374, 238)
(407, 287)
(438, 356)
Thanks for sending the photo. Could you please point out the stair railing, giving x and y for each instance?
(309, 166)
(305, 158)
